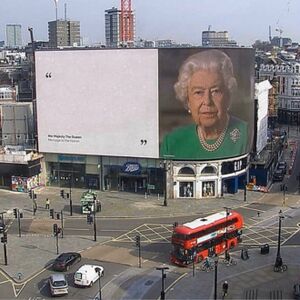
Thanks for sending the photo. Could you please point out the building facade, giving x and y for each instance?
(288, 76)
(217, 39)
(112, 27)
(64, 33)
(13, 35)
(119, 29)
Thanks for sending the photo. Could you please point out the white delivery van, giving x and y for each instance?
(88, 274)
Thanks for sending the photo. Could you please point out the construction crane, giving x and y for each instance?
(126, 22)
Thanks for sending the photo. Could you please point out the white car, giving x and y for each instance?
(86, 275)
(58, 284)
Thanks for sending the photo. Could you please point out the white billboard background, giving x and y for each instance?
(98, 102)
(262, 92)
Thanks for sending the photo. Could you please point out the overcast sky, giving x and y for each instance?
(180, 20)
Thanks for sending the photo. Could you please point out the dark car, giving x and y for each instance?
(296, 291)
(278, 175)
(282, 165)
(64, 261)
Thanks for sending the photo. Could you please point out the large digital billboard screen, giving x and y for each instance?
(189, 104)
(206, 107)
(98, 102)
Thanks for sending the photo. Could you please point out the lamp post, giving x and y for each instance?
(245, 190)
(278, 261)
(284, 189)
(98, 270)
(70, 195)
(216, 260)
(298, 178)
(226, 240)
(163, 277)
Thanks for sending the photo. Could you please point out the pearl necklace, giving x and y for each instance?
(216, 144)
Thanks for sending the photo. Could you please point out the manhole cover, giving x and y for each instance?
(149, 282)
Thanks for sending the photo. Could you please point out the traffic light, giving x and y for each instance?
(62, 193)
(30, 194)
(138, 241)
(55, 229)
(34, 196)
(20, 214)
(68, 195)
(16, 213)
(57, 216)
(4, 238)
(51, 213)
(89, 218)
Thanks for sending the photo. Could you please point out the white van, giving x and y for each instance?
(88, 274)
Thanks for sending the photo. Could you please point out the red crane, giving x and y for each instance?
(126, 22)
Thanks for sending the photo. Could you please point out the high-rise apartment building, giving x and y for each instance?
(13, 35)
(119, 33)
(112, 27)
(217, 39)
(64, 33)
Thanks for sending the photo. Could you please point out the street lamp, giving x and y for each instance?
(165, 181)
(163, 277)
(71, 204)
(278, 262)
(284, 189)
(216, 260)
(226, 240)
(298, 178)
(245, 190)
(98, 270)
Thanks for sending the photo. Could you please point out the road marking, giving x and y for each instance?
(2, 282)
(174, 282)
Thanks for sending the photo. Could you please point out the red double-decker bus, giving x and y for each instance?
(206, 236)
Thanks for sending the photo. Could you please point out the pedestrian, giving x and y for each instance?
(225, 289)
(47, 203)
(34, 207)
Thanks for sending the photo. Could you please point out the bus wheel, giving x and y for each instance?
(232, 244)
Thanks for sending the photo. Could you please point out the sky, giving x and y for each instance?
(180, 20)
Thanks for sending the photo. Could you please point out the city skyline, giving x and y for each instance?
(245, 21)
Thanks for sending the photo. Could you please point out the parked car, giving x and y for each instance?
(58, 284)
(87, 275)
(296, 291)
(282, 165)
(64, 261)
(2, 226)
(278, 175)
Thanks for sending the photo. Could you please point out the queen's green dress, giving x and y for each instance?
(184, 144)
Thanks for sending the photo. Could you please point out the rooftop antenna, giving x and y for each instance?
(65, 11)
(270, 34)
(56, 2)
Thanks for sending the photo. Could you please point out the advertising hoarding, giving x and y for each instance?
(262, 96)
(98, 102)
(206, 102)
(122, 102)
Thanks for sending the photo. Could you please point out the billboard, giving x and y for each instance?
(206, 103)
(262, 96)
(122, 102)
(98, 102)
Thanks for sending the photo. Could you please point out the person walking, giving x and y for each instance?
(47, 204)
(225, 289)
